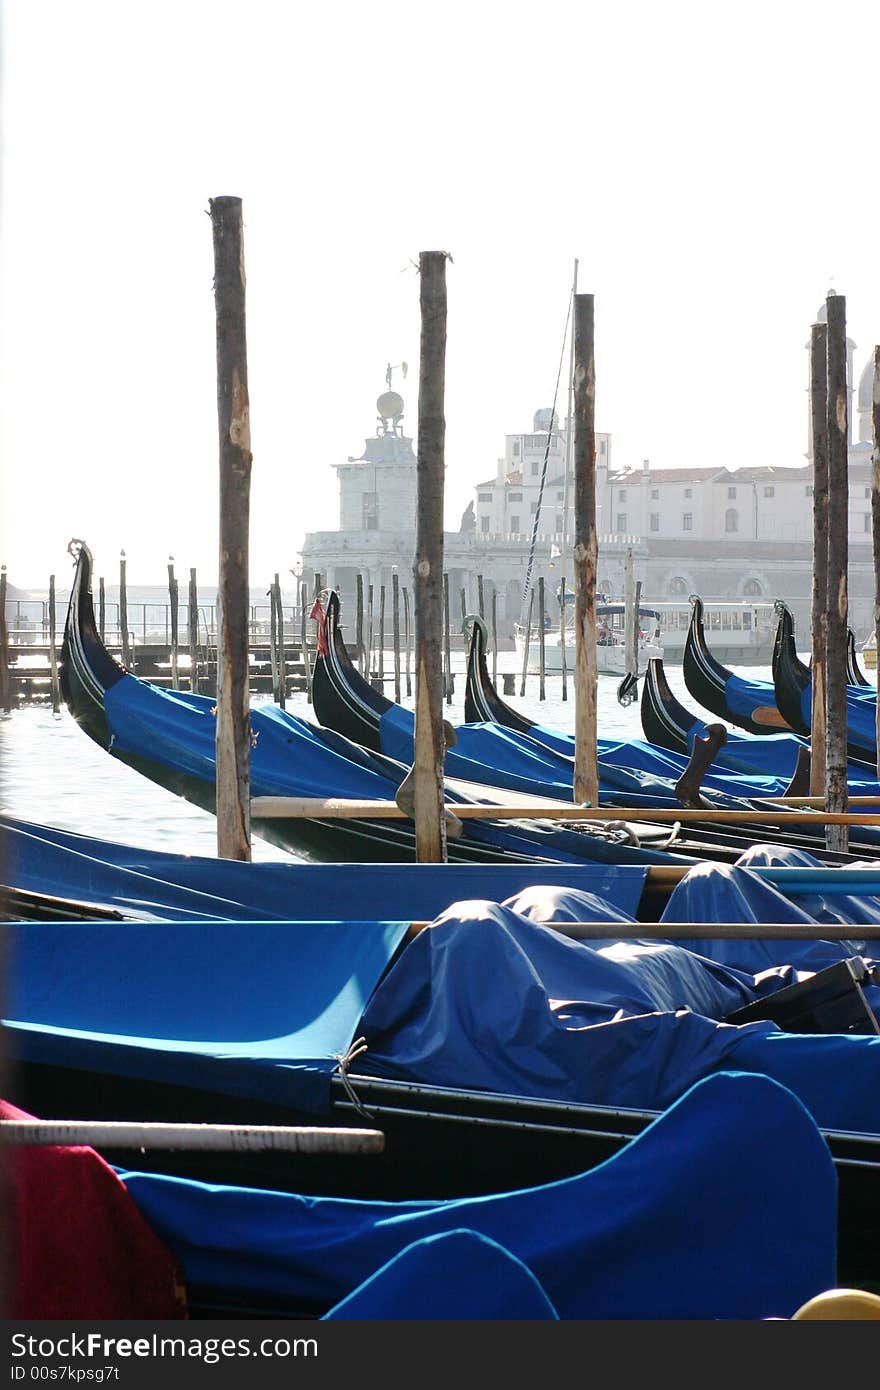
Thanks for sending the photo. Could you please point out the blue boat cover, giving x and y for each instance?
(256, 1009)
(175, 886)
(457, 1275)
(176, 730)
(620, 1025)
(724, 1207)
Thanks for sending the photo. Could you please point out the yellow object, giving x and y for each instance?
(838, 1305)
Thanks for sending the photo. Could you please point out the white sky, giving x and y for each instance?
(712, 168)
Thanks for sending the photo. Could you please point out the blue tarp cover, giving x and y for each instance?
(861, 716)
(250, 1008)
(725, 1207)
(173, 886)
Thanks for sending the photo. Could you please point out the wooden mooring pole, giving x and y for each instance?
(406, 640)
(481, 607)
(102, 609)
(837, 836)
(233, 417)
(818, 617)
(123, 613)
(563, 655)
(395, 630)
(586, 771)
(447, 654)
(192, 622)
(279, 638)
(304, 638)
(542, 655)
(359, 622)
(875, 523)
(381, 636)
(53, 655)
(494, 635)
(5, 679)
(430, 824)
(173, 597)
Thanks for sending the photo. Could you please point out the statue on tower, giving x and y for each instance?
(390, 405)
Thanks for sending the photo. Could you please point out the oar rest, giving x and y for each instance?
(831, 1001)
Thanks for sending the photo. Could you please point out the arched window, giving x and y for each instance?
(753, 588)
(731, 519)
(678, 585)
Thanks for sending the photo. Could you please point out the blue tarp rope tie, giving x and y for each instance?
(344, 1061)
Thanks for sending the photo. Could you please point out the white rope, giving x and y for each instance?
(304, 1139)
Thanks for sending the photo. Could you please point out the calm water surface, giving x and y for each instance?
(51, 772)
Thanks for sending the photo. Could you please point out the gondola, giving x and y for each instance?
(854, 673)
(748, 704)
(170, 738)
(794, 694)
(631, 774)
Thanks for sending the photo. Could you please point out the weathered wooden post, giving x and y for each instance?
(381, 635)
(462, 599)
(53, 655)
(430, 821)
(586, 770)
(819, 611)
(395, 630)
(630, 617)
(447, 654)
(304, 638)
(875, 522)
(563, 656)
(370, 630)
(541, 639)
(279, 637)
(481, 607)
(123, 613)
(174, 607)
(359, 622)
(527, 643)
(273, 639)
(406, 636)
(233, 417)
(494, 635)
(5, 678)
(836, 795)
(102, 608)
(192, 617)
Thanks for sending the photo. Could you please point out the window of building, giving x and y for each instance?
(687, 521)
(655, 494)
(484, 497)
(678, 586)
(603, 447)
(559, 523)
(769, 491)
(516, 448)
(514, 525)
(688, 492)
(621, 522)
(514, 497)
(867, 521)
(731, 492)
(654, 521)
(370, 512)
(533, 508)
(731, 519)
(536, 466)
(621, 494)
(808, 490)
(752, 589)
(560, 497)
(867, 492)
(484, 524)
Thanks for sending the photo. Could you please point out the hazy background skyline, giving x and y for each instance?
(713, 173)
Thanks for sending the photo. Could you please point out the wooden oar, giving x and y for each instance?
(339, 808)
(713, 931)
(124, 1134)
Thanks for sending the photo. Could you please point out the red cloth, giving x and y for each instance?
(79, 1246)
